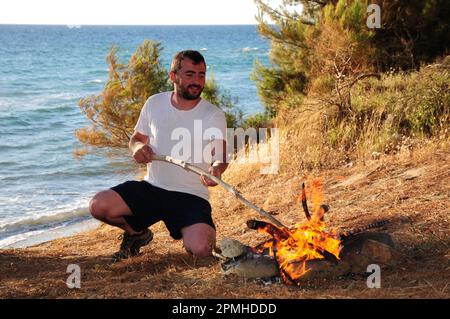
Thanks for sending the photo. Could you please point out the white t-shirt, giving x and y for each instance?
(184, 135)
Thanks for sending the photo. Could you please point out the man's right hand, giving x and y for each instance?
(142, 153)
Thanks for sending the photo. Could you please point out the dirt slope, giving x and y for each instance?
(410, 190)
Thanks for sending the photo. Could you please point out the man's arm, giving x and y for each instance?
(140, 149)
(217, 168)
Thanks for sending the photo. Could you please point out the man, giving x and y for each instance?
(183, 125)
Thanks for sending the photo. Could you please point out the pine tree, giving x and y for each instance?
(325, 45)
(114, 112)
(317, 49)
(412, 32)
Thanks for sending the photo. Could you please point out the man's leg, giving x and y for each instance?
(199, 239)
(110, 208)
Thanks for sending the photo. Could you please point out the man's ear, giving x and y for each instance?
(172, 76)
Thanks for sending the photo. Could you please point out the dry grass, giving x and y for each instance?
(411, 189)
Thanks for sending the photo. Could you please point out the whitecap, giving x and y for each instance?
(37, 222)
(248, 49)
(39, 236)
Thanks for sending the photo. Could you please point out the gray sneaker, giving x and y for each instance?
(131, 244)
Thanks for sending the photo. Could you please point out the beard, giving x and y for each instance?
(184, 92)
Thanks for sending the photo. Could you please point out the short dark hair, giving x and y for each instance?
(195, 56)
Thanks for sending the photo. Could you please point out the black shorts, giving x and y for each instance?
(150, 204)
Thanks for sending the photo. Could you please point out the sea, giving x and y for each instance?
(44, 71)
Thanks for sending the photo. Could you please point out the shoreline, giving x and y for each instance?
(55, 234)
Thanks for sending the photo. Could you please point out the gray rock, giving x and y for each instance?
(232, 248)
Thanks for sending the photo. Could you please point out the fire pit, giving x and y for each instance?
(307, 250)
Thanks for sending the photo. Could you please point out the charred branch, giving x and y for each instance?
(272, 230)
(304, 204)
(262, 248)
(323, 208)
(348, 234)
(327, 256)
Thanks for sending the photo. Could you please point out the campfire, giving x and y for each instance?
(305, 250)
(308, 249)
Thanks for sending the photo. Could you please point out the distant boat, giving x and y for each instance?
(74, 26)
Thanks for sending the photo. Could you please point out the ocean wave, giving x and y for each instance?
(16, 146)
(13, 120)
(248, 49)
(7, 163)
(32, 238)
(43, 117)
(21, 93)
(52, 174)
(57, 109)
(57, 174)
(7, 242)
(30, 103)
(204, 49)
(96, 81)
(35, 223)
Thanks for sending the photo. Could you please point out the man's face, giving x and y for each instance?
(189, 80)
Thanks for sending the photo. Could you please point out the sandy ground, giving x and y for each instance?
(411, 190)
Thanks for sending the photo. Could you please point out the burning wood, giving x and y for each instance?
(281, 234)
(321, 211)
(304, 204)
(274, 231)
(356, 254)
(290, 250)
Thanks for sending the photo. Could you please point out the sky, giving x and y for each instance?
(127, 12)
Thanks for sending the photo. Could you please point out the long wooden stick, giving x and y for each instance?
(228, 187)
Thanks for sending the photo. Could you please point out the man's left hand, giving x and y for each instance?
(213, 170)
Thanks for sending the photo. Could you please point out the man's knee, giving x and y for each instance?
(199, 239)
(200, 249)
(98, 206)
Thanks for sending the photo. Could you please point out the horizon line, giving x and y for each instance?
(125, 25)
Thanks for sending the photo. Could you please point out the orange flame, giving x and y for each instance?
(292, 248)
